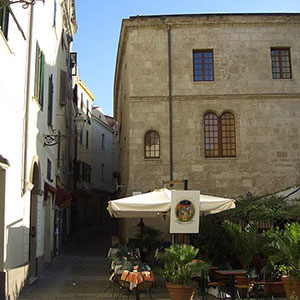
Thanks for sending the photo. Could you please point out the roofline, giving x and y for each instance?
(86, 89)
(213, 14)
(130, 22)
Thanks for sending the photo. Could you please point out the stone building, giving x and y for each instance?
(211, 98)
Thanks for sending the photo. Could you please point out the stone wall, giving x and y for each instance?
(267, 111)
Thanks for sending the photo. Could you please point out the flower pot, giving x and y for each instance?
(274, 288)
(180, 292)
(291, 287)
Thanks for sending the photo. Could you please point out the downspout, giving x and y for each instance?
(27, 96)
(170, 103)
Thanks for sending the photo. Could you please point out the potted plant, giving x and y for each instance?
(245, 242)
(179, 267)
(283, 250)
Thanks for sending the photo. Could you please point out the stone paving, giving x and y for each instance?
(80, 278)
(81, 272)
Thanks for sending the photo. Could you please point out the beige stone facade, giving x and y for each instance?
(266, 110)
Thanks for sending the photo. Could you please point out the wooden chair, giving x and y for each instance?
(245, 284)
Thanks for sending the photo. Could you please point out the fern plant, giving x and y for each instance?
(283, 249)
(245, 242)
(178, 266)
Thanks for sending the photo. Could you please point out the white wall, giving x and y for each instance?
(103, 155)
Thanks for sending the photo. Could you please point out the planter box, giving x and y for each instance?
(291, 287)
(274, 288)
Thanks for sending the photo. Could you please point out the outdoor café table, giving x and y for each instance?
(135, 278)
(232, 274)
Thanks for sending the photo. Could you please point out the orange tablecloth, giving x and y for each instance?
(136, 278)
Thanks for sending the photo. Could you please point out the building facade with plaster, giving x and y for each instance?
(35, 45)
(213, 99)
(104, 162)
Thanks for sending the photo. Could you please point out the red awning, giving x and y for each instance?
(63, 198)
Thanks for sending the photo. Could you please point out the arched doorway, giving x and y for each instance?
(35, 180)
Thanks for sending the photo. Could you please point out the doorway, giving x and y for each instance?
(33, 223)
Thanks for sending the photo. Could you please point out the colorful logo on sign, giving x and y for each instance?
(185, 211)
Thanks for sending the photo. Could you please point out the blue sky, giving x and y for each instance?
(99, 23)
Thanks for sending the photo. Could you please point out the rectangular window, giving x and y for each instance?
(87, 139)
(103, 142)
(4, 17)
(81, 101)
(39, 76)
(49, 166)
(54, 14)
(81, 138)
(203, 65)
(63, 88)
(281, 63)
(83, 171)
(102, 172)
(89, 171)
(50, 100)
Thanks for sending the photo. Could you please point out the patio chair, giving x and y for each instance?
(206, 286)
(245, 284)
(266, 286)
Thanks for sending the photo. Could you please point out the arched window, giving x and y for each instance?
(152, 145)
(219, 135)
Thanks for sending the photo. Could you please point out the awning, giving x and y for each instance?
(63, 198)
(47, 188)
(148, 205)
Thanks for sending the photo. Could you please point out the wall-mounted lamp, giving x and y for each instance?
(54, 139)
(25, 3)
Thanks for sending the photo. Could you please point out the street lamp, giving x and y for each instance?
(54, 139)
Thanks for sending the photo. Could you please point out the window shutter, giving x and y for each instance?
(36, 77)
(4, 17)
(63, 88)
(41, 86)
(50, 100)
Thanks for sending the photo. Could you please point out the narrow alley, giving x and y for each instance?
(82, 272)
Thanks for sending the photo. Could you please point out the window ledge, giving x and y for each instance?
(221, 158)
(204, 81)
(152, 159)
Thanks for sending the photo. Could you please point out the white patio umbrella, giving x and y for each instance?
(148, 205)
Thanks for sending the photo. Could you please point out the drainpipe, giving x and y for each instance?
(27, 96)
(170, 103)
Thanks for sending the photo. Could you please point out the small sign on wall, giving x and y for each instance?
(185, 206)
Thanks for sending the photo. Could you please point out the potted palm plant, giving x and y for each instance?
(283, 250)
(179, 267)
(245, 242)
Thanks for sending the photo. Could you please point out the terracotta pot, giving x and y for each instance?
(291, 287)
(180, 292)
(274, 288)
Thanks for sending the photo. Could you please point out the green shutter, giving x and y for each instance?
(36, 77)
(4, 17)
(41, 90)
(50, 100)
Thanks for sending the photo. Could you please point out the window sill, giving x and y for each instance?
(221, 158)
(204, 81)
(151, 159)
